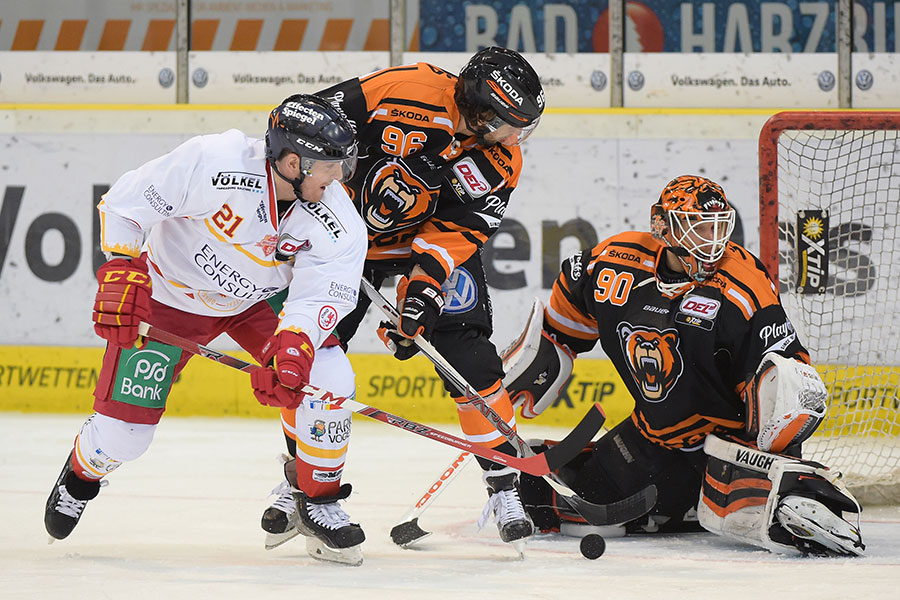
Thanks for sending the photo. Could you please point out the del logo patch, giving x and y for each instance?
(144, 376)
(471, 178)
(698, 306)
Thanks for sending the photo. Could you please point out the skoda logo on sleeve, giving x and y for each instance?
(460, 292)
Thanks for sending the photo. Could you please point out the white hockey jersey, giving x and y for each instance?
(206, 215)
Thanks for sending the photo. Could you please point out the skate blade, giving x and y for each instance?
(273, 540)
(408, 533)
(345, 556)
(519, 546)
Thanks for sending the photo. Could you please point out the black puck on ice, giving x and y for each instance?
(593, 546)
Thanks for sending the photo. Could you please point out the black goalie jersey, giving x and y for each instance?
(684, 359)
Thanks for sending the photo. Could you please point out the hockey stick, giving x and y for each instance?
(595, 514)
(408, 531)
(536, 464)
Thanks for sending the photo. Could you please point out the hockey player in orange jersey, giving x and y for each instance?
(724, 393)
(439, 158)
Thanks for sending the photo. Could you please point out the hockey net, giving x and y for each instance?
(830, 235)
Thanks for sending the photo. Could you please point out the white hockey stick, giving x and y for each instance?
(407, 531)
(625, 510)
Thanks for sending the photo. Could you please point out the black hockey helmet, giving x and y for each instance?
(496, 87)
(312, 128)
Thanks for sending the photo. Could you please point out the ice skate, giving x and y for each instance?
(279, 521)
(823, 533)
(505, 506)
(67, 502)
(330, 534)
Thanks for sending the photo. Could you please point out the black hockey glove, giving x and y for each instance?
(421, 302)
(401, 347)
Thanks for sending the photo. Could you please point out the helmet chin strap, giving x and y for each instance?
(295, 183)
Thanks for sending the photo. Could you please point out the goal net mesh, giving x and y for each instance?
(837, 188)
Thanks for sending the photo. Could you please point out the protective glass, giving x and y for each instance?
(341, 169)
(509, 134)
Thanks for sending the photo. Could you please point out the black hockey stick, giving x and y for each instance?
(536, 464)
(595, 514)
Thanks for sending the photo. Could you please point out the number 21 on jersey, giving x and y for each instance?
(613, 286)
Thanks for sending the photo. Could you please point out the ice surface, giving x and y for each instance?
(183, 522)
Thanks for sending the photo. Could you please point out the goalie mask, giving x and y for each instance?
(498, 87)
(314, 130)
(695, 220)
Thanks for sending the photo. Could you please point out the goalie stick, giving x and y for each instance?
(623, 511)
(536, 464)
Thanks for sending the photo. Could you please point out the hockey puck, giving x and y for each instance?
(592, 546)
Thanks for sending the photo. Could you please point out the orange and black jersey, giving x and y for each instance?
(437, 211)
(397, 111)
(684, 359)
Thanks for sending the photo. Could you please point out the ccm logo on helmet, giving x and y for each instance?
(698, 306)
(471, 178)
(507, 87)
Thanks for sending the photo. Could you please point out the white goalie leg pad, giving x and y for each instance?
(785, 505)
(537, 367)
(104, 443)
(785, 401)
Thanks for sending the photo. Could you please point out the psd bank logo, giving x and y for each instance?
(460, 292)
(144, 375)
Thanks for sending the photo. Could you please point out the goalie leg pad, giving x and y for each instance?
(785, 505)
(537, 367)
(786, 401)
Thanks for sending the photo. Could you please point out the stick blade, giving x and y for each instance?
(633, 507)
(408, 533)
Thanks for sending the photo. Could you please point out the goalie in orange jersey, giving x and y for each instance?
(439, 159)
(724, 393)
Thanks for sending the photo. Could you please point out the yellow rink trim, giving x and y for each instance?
(61, 380)
(864, 400)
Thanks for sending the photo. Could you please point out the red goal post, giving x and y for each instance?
(829, 226)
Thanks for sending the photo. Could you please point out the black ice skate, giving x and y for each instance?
(505, 505)
(279, 521)
(67, 501)
(330, 534)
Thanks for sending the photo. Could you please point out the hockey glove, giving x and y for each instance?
(122, 301)
(421, 302)
(401, 347)
(291, 356)
(269, 391)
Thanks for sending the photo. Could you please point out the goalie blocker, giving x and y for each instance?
(537, 368)
(783, 504)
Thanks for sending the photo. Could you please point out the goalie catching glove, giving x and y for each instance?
(291, 357)
(785, 402)
(122, 301)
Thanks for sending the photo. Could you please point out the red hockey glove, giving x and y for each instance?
(269, 392)
(401, 347)
(291, 356)
(421, 302)
(123, 300)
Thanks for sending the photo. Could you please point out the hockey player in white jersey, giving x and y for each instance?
(213, 238)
